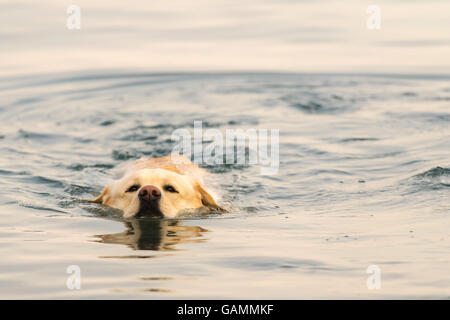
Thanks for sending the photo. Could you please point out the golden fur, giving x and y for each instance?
(177, 172)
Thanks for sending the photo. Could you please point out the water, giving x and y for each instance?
(303, 36)
(364, 179)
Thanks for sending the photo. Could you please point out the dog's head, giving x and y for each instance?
(155, 193)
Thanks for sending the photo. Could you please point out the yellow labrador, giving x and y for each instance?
(159, 187)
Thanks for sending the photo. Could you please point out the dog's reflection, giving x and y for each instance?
(155, 234)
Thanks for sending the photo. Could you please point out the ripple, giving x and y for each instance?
(434, 179)
(435, 172)
(40, 207)
(40, 136)
(358, 139)
(81, 167)
(317, 103)
(77, 190)
(107, 123)
(268, 263)
(309, 107)
(14, 173)
(122, 155)
(27, 101)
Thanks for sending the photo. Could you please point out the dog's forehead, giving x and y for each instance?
(159, 173)
(155, 175)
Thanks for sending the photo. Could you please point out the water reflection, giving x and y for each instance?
(155, 234)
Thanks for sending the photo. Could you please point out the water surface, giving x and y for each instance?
(364, 179)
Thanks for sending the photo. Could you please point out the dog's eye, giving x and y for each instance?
(133, 188)
(170, 189)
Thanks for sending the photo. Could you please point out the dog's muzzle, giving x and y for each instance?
(149, 197)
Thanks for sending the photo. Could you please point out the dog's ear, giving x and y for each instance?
(207, 199)
(103, 197)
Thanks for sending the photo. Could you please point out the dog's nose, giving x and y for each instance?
(149, 193)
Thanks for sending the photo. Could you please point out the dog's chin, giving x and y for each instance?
(149, 209)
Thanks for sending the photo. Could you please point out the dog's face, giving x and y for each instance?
(155, 193)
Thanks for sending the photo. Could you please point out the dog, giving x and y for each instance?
(158, 187)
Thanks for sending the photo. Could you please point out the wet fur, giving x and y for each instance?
(177, 170)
